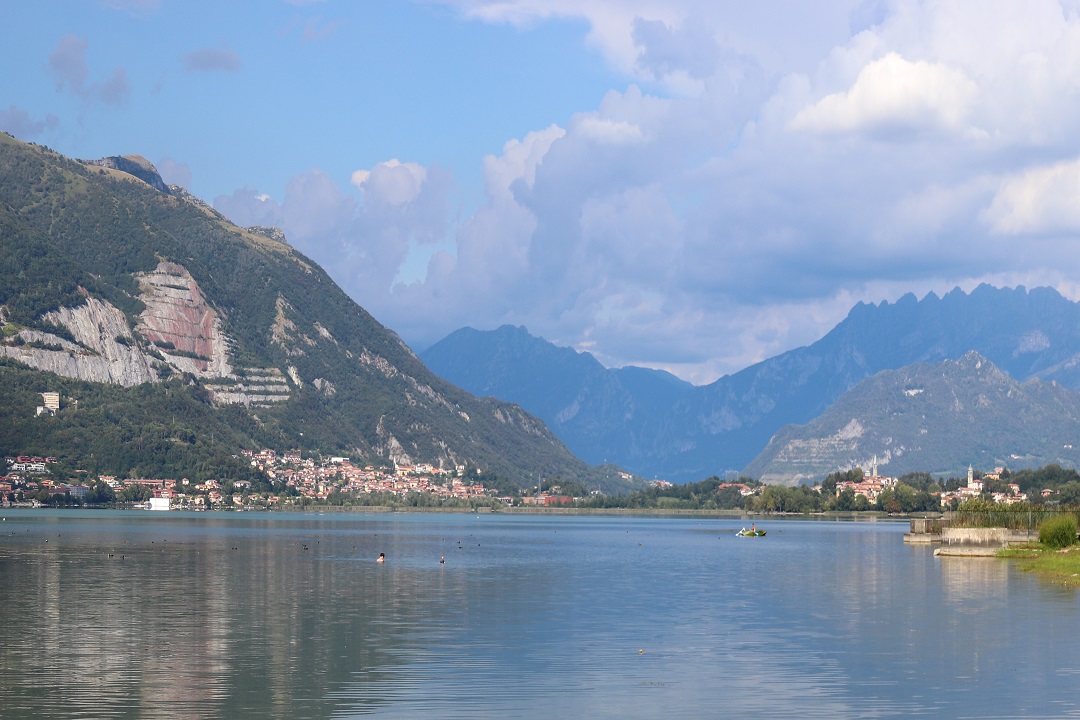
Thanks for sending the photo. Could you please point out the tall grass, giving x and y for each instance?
(984, 514)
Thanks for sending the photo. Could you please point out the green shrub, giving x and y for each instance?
(1058, 532)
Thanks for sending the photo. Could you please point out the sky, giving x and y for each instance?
(690, 185)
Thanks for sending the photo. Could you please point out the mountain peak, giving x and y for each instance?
(135, 165)
(185, 339)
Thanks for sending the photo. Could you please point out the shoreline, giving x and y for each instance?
(864, 516)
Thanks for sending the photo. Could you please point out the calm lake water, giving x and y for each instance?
(244, 615)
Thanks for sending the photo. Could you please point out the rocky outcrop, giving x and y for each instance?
(136, 166)
(104, 349)
(181, 324)
(273, 233)
(255, 387)
(179, 331)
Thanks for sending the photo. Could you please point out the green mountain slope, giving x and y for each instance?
(932, 417)
(175, 337)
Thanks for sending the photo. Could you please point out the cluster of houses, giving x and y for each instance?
(308, 478)
(871, 486)
(318, 480)
(744, 490)
(974, 489)
(22, 479)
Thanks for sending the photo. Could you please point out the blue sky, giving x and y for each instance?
(685, 184)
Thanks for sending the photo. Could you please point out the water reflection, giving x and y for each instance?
(211, 616)
(967, 579)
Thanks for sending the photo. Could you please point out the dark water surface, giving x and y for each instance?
(245, 615)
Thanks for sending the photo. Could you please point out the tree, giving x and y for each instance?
(846, 500)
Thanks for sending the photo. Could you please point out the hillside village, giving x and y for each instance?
(873, 485)
(304, 481)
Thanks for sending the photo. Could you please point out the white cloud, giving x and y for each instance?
(894, 95)
(764, 167)
(1038, 201)
(391, 182)
(609, 132)
(519, 161)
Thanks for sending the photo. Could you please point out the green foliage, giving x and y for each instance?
(1058, 532)
(902, 498)
(981, 512)
(157, 431)
(704, 495)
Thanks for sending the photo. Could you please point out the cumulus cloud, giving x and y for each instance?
(363, 235)
(764, 168)
(893, 95)
(1038, 201)
(391, 182)
(18, 122)
(212, 60)
(67, 63)
(691, 49)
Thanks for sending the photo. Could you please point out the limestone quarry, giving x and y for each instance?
(177, 332)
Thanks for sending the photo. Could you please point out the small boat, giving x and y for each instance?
(751, 533)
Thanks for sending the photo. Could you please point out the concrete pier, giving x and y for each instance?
(981, 541)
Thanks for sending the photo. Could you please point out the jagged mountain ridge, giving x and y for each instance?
(105, 279)
(932, 417)
(1025, 333)
(720, 427)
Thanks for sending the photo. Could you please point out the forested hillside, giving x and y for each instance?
(211, 339)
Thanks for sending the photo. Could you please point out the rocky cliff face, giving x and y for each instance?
(104, 349)
(180, 323)
(177, 332)
(136, 166)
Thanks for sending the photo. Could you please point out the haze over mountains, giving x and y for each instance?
(694, 432)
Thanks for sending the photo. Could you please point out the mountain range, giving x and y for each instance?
(177, 339)
(930, 417)
(694, 432)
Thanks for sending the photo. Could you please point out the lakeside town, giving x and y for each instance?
(302, 480)
(295, 481)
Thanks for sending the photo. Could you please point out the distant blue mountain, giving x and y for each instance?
(599, 413)
(664, 428)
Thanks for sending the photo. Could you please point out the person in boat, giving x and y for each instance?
(753, 527)
(381, 558)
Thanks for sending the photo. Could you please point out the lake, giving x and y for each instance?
(128, 614)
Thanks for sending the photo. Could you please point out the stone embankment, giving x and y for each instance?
(965, 541)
